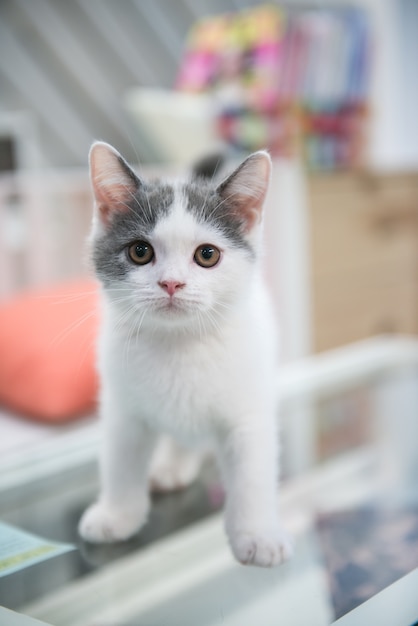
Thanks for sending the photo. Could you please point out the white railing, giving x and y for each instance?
(388, 365)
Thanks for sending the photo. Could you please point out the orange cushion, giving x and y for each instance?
(47, 351)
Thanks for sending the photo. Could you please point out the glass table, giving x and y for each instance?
(349, 497)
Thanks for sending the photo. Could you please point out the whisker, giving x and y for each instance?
(124, 316)
(214, 322)
(224, 305)
(133, 332)
(199, 322)
(127, 344)
(139, 204)
(64, 298)
(71, 328)
(88, 345)
(216, 207)
(209, 186)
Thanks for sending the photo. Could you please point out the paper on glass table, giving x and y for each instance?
(19, 549)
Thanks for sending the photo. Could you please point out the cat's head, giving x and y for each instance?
(176, 255)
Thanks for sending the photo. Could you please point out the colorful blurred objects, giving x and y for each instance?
(294, 81)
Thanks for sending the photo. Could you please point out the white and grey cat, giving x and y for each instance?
(187, 345)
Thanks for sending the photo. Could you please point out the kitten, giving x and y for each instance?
(187, 344)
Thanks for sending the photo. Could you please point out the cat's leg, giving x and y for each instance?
(173, 466)
(249, 460)
(124, 503)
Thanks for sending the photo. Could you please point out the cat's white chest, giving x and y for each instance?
(175, 386)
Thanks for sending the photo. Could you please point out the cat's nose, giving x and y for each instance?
(171, 286)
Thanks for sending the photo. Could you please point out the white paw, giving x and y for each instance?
(103, 524)
(261, 548)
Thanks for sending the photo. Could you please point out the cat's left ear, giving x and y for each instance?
(245, 189)
(113, 181)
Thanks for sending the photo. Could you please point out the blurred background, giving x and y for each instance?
(67, 68)
(331, 89)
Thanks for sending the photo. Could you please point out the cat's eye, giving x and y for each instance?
(141, 252)
(207, 255)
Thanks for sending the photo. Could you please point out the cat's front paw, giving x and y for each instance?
(262, 548)
(103, 524)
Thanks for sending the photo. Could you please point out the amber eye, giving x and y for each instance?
(140, 252)
(207, 255)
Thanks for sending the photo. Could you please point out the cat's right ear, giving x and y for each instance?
(114, 182)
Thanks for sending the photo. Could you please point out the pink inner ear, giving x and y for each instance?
(247, 188)
(252, 217)
(113, 181)
(249, 211)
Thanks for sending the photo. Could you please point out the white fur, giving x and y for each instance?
(205, 372)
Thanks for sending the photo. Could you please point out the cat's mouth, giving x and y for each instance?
(174, 306)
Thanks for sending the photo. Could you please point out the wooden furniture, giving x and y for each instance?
(364, 256)
(341, 249)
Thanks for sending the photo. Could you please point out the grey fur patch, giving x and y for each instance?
(148, 205)
(208, 206)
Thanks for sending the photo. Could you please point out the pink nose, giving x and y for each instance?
(170, 286)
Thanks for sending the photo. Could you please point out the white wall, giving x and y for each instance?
(394, 89)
